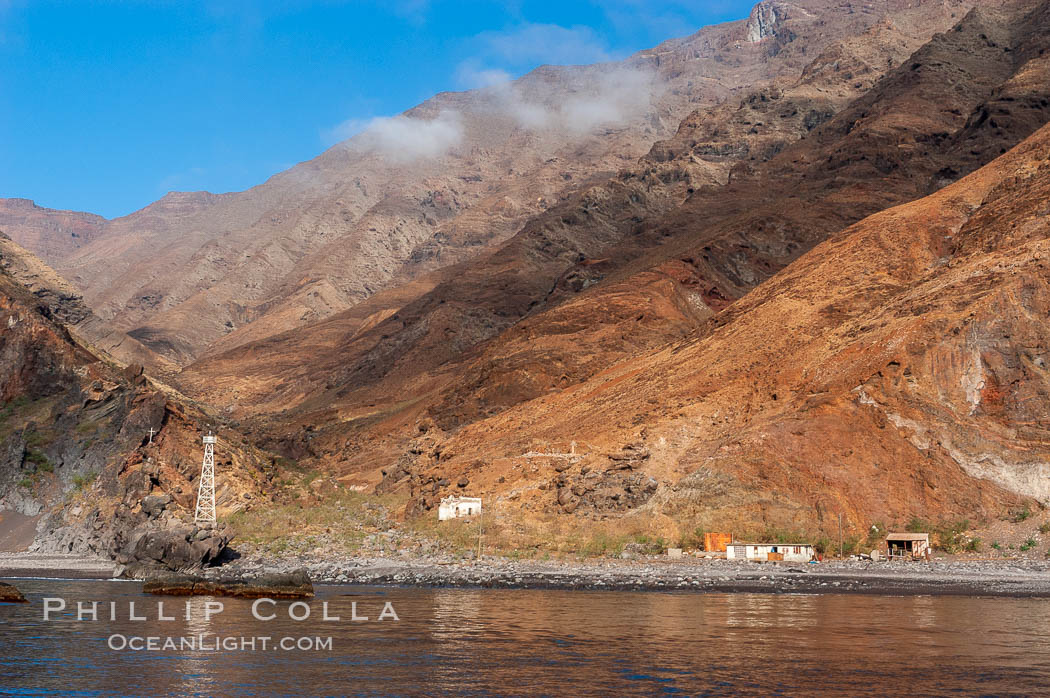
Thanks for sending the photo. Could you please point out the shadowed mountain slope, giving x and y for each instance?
(572, 246)
(897, 369)
(608, 275)
(65, 305)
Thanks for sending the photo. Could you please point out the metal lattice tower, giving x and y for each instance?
(206, 488)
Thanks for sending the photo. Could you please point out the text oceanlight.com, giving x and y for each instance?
(215, 643)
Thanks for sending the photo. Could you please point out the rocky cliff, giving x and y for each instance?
(105, 457)
(53, 235)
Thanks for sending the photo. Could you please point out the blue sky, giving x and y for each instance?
(106, 106)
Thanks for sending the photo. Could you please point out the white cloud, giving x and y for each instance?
(610, 98)
(615, 98)
(344, 131)
(604, 97)
(530, 44)
(404, 138)
(471, 76)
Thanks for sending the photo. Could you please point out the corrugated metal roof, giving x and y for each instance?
(777, 545)
(908, 536)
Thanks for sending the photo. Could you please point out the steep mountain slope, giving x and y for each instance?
(103, 456)
(67, 305)
(195, 269)
(568, 248)
(897, 369)
(586, 285)
(54, 235)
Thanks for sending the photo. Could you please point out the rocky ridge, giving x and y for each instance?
(560, 254)
(104, 455)
(53, 235)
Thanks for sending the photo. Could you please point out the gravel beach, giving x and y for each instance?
(23, 565)
(1017, 578)
(976, 578)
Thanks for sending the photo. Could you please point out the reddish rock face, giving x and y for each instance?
(107, 456)
(656, 253)
(53, 235)
(701, 243)
(894, 370)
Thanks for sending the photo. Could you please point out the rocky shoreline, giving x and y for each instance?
(964, 578)
(11, 594)
(24, 565)
(1008, 578)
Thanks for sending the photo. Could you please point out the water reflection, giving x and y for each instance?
(192, 666)
(541, 642)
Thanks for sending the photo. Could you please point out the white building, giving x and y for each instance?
(792, 552)
(458, 507)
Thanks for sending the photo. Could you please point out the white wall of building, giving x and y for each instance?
(761, 551)
(458, 507)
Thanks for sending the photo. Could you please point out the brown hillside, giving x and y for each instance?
(897, 369)
(568, 249)
(54, 235)
(535, 318)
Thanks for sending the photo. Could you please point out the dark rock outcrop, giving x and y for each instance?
(614, 490)
(291, 585)
(155, 504)
(178, 548)
(103, 452)
(10, 594)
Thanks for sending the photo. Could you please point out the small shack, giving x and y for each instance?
(717, 542)
(792, 552)
(905, 546)
(458, 507)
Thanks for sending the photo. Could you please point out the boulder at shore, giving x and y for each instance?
(10, 594)
(289, 585)
(177, 548)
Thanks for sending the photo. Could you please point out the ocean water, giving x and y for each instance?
(523, 642)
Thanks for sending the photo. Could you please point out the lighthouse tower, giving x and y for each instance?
(206, 489)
